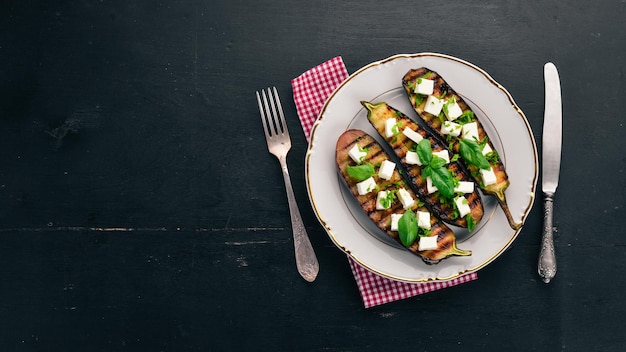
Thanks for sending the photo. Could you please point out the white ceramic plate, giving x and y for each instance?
(347, 225)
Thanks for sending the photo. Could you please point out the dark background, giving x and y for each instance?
(141, 211)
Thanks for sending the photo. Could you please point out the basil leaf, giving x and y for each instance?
(407, 228)
(437, 162)
(465, 117)
(427, 171)
(424, 151)
(471, 152)
(443, 180)
(470, 222)
(419, 98)
(361, 172)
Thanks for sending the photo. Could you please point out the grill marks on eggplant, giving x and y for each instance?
(446, 240)
(378, 113)
(375, 156)
(444, 91)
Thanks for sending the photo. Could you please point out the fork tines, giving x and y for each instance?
(271, 112)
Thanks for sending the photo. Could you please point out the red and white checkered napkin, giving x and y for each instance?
(310, 91)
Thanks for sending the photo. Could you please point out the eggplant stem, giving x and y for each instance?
(370, 106)
(507, 212)
(459, 252)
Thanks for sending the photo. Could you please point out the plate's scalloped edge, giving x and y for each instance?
(327, 228)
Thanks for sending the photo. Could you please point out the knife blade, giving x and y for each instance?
(551, 160)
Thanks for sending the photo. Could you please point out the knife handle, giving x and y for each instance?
(547, 258)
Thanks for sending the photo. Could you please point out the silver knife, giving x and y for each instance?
(551, 159)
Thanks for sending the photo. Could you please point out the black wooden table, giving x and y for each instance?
(141, 211)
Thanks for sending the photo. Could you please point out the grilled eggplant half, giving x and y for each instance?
(447, 114)
(383, 195)
(404, 140)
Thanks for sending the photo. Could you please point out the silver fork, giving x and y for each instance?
(279, 143)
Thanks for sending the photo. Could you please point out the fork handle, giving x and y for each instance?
(306, 261)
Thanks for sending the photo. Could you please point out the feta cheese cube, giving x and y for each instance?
(443, 154)
(451, 128)
(427, 243)
(429, 186)
(390, 123)
(386, 169)
(405, 198)
(412, 158)
(424, 86)
(379, 201)
(487, 149)
(433, 105)
(464, 187)
(357, 154)
(452, 110)
(488, 176)
(366, 186)
(423, 219)
(462, 206)
(394, 221)
(412, 135)
(470, 131)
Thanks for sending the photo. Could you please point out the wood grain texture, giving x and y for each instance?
(140, 209)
